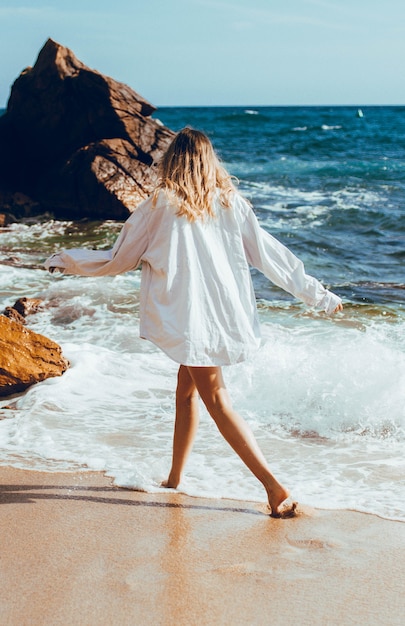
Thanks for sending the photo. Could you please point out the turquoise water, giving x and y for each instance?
(324, 396)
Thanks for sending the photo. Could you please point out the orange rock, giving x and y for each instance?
(13, 314)
(21, 308)
(26, 357)
(25, 306)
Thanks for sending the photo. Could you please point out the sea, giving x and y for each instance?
(324, 395)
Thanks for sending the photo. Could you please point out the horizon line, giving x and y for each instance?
(261, 106)
(258, 106)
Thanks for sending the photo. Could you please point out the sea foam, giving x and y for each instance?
(324, 398)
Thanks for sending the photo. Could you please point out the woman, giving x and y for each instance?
(196, 237)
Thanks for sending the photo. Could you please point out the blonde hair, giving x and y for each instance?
(190, 173)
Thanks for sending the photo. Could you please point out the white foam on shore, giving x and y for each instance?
(324, 399)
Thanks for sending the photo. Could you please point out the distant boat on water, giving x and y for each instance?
(360, 113)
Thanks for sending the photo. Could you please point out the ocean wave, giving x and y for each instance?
(273, 196)
(316, 415)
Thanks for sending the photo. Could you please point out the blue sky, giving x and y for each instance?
(221, 52)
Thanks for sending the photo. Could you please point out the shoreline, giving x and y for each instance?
(78, 550)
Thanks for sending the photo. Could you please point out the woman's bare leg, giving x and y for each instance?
(211, 387)
(186, 424)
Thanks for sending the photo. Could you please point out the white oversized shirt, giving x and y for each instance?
(197, 300)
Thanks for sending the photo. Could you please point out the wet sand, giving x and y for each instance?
(76, 550)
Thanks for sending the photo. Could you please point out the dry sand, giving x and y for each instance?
(78, 551)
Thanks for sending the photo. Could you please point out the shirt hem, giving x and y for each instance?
(213, 363)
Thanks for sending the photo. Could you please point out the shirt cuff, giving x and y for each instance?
(54, 262)
(329, 302)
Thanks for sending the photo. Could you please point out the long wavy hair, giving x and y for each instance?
(190, 173)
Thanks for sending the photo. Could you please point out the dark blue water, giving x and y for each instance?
(329, 184)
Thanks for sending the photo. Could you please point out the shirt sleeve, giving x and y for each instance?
(125, 255)
(282, 267)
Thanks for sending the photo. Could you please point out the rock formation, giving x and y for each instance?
(21, 308)
(78, 143)
(26, 357)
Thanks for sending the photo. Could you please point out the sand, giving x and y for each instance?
(76, 550)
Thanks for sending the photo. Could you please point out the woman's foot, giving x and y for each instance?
(279, 502)
(171, 482)
(286, 510)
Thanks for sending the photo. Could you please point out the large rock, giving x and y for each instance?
(26, 357)
(79, 143)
